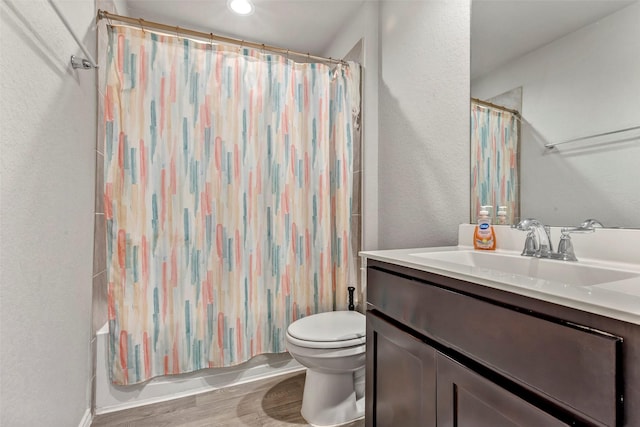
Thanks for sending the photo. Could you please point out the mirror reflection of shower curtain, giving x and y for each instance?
(228, 194)
(495, 158)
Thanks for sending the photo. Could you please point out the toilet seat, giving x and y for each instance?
(335, 329)
(326, 344)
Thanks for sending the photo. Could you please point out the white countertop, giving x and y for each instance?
(618, 300)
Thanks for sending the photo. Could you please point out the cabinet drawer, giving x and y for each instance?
(575, 367)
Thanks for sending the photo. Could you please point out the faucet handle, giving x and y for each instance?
(585, 227)
(568, 230)
(591, 223)
(565, 246)
(529, 245)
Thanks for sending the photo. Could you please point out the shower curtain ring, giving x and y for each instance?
(140, 20)
(211, 40)
(177, 32)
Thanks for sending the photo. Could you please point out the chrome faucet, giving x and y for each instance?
(538, 241)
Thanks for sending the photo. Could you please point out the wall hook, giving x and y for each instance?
(81, 63)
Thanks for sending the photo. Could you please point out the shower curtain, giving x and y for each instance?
(495, 161)
(228, 187)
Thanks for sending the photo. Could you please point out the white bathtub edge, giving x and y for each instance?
(110, 398)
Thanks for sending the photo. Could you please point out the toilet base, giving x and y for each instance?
(330, 399)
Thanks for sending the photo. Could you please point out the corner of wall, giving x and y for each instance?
(363, 27)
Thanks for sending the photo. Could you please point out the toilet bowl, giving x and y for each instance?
(332, 347)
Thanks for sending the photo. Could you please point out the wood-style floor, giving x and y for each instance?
(274, 402)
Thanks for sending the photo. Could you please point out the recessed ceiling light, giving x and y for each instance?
(241, 7)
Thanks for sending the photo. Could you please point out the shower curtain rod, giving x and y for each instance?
(499, 107)
(177, 31)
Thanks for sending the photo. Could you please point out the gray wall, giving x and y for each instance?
(48, 127)
(416, 119)
(423, 122)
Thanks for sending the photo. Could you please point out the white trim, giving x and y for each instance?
(87, 419)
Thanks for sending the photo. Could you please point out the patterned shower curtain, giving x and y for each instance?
(495, 158)
(228, 185)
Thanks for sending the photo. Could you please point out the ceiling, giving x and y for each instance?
(307, 26)
(504, 30)
(501, 30)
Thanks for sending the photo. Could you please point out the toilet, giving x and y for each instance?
(332, 347)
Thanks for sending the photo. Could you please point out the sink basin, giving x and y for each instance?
(571, 273)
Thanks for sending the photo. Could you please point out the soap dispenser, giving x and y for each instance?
(502, 215)
(484, 237)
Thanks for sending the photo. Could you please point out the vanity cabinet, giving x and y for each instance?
(466, 398)
(444, 352)
(415, 385)
(405, 377)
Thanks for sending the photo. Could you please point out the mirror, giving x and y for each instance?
(572, 71)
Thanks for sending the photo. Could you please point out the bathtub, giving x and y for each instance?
(111, 398)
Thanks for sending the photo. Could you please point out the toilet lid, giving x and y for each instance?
(329, 327)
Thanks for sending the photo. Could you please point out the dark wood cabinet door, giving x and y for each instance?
(401, 378)
(466, 399)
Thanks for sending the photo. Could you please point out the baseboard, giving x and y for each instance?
(86, 419)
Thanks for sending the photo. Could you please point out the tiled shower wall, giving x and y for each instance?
(99, 299)
(99, 304)
(356, 55)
